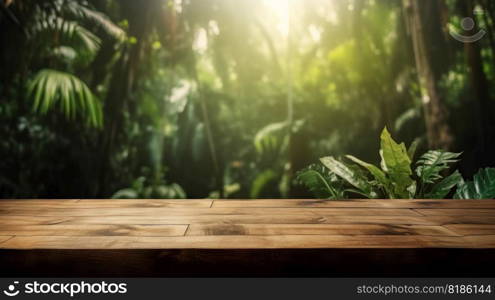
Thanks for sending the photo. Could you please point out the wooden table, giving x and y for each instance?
(83, 237)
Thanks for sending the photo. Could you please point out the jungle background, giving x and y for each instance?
(229, 99)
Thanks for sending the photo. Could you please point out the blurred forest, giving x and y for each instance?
(230, 98)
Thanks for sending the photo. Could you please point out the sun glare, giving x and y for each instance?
(281, 11)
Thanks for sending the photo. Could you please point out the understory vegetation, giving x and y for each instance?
(396, 177)
(231, 98)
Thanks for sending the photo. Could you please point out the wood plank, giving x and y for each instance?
(481, 241)
(105, 203)
(4, 238)
(457, 212)
(317, 229)
(359, 203)
(32, 220)
(241, 242)
(224, 219)
(472, 229)
(446, 220)
(93, 230)
(160, 211)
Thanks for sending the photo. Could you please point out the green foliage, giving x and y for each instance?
(85, 13)
(394, 179)
(139, 189)
(443, 188)
(321, 182)
(397, 164)
(50, 89)
(69, 33)
(432, 163)
(352, 176)
(183, 93)
(482, 186)
(262, 182)
(272, 138)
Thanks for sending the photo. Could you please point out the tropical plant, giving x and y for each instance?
(51, 88)
(482, 186)
(394, 179)
(58, 30)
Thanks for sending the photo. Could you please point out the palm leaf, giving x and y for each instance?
(99, 19)
(51, 88)
(66, 32)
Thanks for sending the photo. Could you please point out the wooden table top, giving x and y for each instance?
(246, 224)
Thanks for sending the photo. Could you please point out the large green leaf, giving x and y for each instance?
(397, 164)
(319, 181)
(443, 188)
(482, 186)
(432, 163)
(378, 174)
(349, 175)
(51, 88)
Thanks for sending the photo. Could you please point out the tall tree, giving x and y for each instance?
(479, 87)
(425, 27)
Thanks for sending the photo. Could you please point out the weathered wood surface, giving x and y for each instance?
(245, 224)
(36, 234)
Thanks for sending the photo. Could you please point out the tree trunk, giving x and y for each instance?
(480, 90)
(425, 28)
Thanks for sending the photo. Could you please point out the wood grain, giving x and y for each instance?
(457, 212)
(226, 219)
(242, 242)
(472, 229)
(361, 203)
(93, 230)
(245, 224)
(160, 211)
(4, 238)
(318, 229)
(104, 203)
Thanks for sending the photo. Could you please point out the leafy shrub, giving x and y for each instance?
(336, 179)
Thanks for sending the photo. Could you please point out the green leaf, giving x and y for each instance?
(99, 19)
(397, 164)
(378, 174)
(411, 151)
(482, 186)
(261, 181)
(348, 174)
(316, 183)
(271, 138)
(443, 188)
(125, 194)
(51, 88)
(432, 163)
